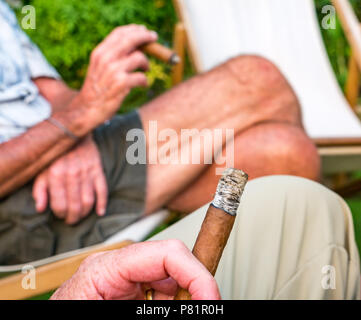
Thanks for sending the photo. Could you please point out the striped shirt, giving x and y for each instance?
(21, 105)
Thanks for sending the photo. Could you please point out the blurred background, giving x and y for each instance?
(68, 30)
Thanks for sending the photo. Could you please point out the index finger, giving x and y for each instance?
(124, 40)
(131, 37)
(154, 261)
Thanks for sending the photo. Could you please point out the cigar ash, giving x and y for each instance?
(229, 190)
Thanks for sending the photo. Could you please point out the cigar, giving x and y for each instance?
(161, 52)
(218, 222)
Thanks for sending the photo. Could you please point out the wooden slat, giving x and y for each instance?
(324, 142)
(348, 190)
(51, 276)
(351, 26)
(352, 87)
(179, 49)
(190, 39)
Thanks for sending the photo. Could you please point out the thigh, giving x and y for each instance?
(126, 177)
(25, 235)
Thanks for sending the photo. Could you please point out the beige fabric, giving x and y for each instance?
(287, 230)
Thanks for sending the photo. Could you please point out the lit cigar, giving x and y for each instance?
(161, 52)
(218, 223)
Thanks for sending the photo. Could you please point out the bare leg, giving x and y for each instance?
(265, 149)
(239, 94)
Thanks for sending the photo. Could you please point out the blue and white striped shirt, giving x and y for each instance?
(21, 105)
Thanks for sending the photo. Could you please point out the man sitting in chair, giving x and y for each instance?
(65, 180)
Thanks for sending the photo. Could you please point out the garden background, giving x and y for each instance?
(68, 30)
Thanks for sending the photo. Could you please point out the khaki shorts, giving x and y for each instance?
(292, 239)
(26, 235)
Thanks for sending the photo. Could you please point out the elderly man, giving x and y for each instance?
(65, 180)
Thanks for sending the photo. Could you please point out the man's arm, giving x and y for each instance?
(25, 156)
(56, 92)
(110, 78)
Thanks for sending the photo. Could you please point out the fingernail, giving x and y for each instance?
(102, 212)
(154, 34)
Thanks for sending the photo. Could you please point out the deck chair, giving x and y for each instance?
(53, 271)
(287, 33)
(214, 31)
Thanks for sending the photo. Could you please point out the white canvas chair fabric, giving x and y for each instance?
(288, 34)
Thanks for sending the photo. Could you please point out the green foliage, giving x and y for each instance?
(337, 46)
(68, 30)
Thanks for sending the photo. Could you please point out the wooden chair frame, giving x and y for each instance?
(353, 34)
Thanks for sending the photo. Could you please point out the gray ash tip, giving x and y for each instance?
(229, 190)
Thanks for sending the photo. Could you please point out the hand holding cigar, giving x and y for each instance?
(218, 223)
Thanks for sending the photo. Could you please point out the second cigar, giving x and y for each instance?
(161, 52)
(218, 223)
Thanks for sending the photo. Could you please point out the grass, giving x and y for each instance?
(355, 206)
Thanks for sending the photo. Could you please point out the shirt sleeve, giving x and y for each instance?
(36, 62)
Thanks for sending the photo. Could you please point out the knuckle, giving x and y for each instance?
(74, 207)
(56, 171)
(90, 261)
(139, 56)
(176, 245)
(105, 58)
(120, 78)
(59, 210)
(74, 172)
(95, 55)
(87, 261)
(88, 202)
(126, 42)
(113, 68)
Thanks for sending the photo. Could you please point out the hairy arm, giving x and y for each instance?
(25, 156)
(56, 92)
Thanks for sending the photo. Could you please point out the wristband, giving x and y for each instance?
(60, 126)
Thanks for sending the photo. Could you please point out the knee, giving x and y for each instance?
(297, 152)
(257, 68)
(305, 226)
(298, 204)
(265, 80)
(282, 149)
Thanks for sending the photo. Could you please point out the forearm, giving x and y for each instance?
(56, 92)
(23, 157)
